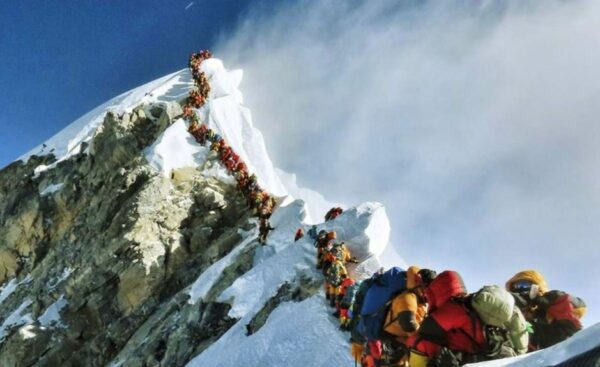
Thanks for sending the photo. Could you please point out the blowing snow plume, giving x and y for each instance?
(474, 122)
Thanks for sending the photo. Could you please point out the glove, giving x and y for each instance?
(446, 359)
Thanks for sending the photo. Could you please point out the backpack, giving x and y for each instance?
(336, 273)
(377, 300)
(494, 305)
(355, 308)
(403, 302)
(349, 296)
(505, 328)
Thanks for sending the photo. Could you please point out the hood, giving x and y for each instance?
(413, 279)
(446, 285)
(532, 275)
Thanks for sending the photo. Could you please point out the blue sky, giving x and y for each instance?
(59, 59)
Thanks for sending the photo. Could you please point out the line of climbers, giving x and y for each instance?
(260, 202)
(419, 318)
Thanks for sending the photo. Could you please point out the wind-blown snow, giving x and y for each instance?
(317, 205)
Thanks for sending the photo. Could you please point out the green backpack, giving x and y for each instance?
(505, 327)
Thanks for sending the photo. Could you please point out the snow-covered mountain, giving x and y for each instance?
(123, 242)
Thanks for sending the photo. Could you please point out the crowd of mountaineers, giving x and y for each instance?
(413, 317)
(419, 318)
(260, 202)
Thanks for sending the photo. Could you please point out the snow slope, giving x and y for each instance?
(296, 333)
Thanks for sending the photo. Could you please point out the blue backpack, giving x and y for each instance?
(376, 302)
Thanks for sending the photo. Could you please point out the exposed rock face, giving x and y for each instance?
(97, 251)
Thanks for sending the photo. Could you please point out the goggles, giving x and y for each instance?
(521, 286)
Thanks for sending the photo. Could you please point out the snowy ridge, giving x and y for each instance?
(225, 114)
(67, 142)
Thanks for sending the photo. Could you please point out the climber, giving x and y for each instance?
(449, 328)
(218, 144)
(232, 163)
(241, 168)
(225, 152)
(251, 186)
(336, 256)
(241, 176)
(334, 277)
(229, 165)
(340, 252)
(520, 286)
(554, 315)
(210, 135)
(346, 287)
(299, 234)
(202, 84)
(198, 131)
(357, 340)
(264, 207)
(195, 99)
(312, 232)
(320, 244)
(333, 213)
(188, 111)
(324, 247)
(264, 229)
(255, 198)
(406, 312)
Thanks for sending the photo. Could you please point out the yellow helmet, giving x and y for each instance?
(528, 275)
